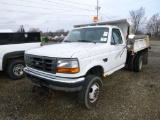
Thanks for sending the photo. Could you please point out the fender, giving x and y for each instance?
(11, 55)
(93, 64)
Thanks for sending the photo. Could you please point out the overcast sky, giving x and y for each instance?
(63, 14)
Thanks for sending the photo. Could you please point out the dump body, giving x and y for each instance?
(138, 43)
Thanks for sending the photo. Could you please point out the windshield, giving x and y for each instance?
(96, 35)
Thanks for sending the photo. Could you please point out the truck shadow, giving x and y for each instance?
(3, 76)
(56, 99)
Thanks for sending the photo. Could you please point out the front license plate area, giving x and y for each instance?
(44, 83)
(36, 82)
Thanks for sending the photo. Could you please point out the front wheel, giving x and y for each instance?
(90, 93)
(15, 69)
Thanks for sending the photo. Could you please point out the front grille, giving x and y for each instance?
(46, 64)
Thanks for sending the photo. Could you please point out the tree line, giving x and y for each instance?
(58, 32)
(141, 25)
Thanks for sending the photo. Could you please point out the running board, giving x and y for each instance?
(113, 70)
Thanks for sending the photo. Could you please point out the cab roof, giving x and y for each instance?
(98, 26)
(112, 22)
(123, 24)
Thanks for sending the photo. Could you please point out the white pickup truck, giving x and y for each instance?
(88, 53)
(12, 48)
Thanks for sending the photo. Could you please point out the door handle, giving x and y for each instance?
(105, 60)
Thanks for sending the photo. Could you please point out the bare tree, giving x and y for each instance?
(137, 19)
(34, 30)
(60, 31)
(153, 25)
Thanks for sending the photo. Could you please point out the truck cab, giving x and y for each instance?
(87, 54)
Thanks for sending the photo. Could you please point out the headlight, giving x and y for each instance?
(67, 66)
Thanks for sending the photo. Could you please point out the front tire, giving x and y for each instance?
(15, 69)
(90, 93)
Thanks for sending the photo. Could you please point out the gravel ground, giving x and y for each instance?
(126, 95)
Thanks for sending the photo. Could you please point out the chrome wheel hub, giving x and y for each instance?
(94, 92)
(18, 69)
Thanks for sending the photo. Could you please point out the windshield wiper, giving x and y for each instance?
(86, 41)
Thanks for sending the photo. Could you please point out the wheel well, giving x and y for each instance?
(96, 70)
(8, 57)
(8, 60)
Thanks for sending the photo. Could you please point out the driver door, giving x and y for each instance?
(118, 50)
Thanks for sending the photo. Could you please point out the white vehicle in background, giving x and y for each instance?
(12, 48)
(88, 53)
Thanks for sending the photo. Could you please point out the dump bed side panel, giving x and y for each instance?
(141, 44)
(137, 44)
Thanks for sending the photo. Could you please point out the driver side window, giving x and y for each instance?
(116, 37)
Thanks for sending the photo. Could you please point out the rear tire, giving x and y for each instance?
(131, 62)
(15, 69)
(90, 93)
(145, 57)
(138, 63)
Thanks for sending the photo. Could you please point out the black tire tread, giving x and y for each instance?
(81, 94)
(10, 67)
(136, 63)
(145, 57)
(131, 62)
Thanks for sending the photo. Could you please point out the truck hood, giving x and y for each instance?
(62, 50)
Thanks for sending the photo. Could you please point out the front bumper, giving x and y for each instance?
(40, 78)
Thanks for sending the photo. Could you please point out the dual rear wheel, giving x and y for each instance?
(138, 63)
(135, 63)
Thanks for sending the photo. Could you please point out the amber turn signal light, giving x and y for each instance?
(68, 70)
